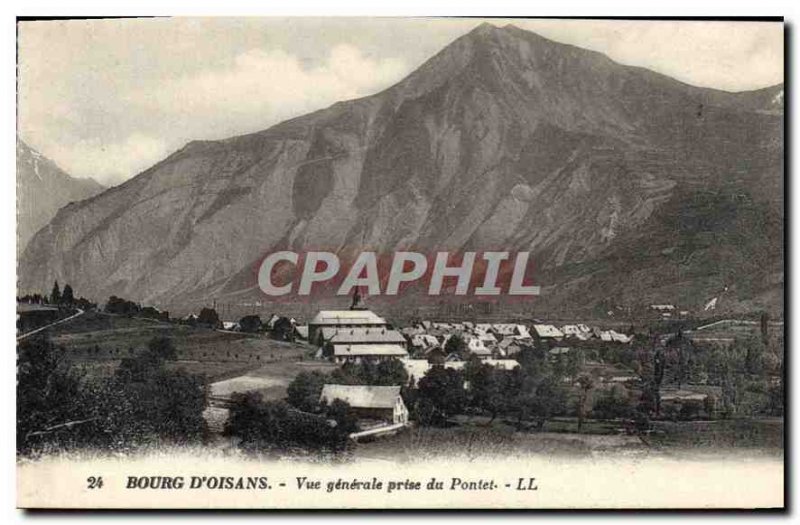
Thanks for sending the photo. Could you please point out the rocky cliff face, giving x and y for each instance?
(625, 184)
(43, 188)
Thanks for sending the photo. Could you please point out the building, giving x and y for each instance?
(301, 332)
(365, 353)
(547, 332)
(364, 344)
(341, 319)
(382, 403)
(417, 368)
(424, 341)
(510, 329)
(578, 331)
(662, 307)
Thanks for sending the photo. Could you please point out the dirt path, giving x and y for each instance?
(45, 327)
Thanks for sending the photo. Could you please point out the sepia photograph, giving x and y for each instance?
(400, 263)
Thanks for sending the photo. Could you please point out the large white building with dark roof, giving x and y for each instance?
(340, 319)
(365, 344)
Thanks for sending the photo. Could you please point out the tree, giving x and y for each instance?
(585, 384)
(119, 306)
(283, 329)
(208, 317)
(574, 365)
(250, 323)
(263, 425)
(55, 295)
(67, 296)
(389, 373)
(47, 391)
(346, 420)
(441, 395)
(304, 390)
(142, 367)
(613, 404)
(167, 405)
(457, 345)
(350, 374)
(547, 398)
(162, 348)
(488, 387)
(754, 354)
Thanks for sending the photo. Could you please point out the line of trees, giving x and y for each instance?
(58, 297)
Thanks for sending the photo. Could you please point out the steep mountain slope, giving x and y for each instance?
(43, 188)
(625, 184)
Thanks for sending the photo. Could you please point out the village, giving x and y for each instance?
(599, 380)
(359, 337)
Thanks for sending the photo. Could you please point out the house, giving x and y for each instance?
(509, 329)
(476, 347)
(662, 307)
(424, 341)
(614, 336)
(364, 344)
(509, 346)
(230, 325)
(578, 331)
(301, 331)
(435, 354)
(488, 339)
(382, 403)
(333, 319)
(417, 368)
(547, 332)
(365, 353)
(355, 336)
(411, 331)
(703, 395)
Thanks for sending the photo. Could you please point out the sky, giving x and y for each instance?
(109, 98)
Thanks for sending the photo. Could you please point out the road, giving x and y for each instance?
(45, 327)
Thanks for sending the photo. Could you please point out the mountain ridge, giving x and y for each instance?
(42, 189)
(501, 139)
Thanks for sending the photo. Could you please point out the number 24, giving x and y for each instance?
(94, 482)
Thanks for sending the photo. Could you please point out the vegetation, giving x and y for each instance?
(265, 425)
(440, 395)
(250, 324)
(283, 329)
(456, 345)
(143, 402)
(209, 318)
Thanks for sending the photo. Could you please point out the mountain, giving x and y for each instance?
(626, 185)
(43, 188)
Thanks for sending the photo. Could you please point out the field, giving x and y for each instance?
(474, 440)
(96, 342)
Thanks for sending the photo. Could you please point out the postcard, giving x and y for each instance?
(400, 263)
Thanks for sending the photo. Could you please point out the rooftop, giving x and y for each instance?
(367, 335)
(369, 349)
(337, 317)
(361, 396)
